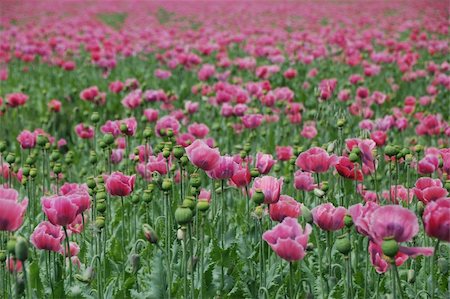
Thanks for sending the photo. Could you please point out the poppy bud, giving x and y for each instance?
(391, 150)
(343, 244)
(184, 160)
(258, 196)
(135, 198)
(21, 249)
(33, 172)
(150, 234)
(390, 247)
(183, 215)
(306, 214)
(418, 148)
(87, 275)
(341, 122)
(181, 234)
(411, 276)
(2, 146)
(324, 187)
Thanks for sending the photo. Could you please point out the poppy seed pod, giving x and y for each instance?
(390, 247)
(178, 151)
(348, 221)
(343, 244)
(95, 117)
(41, 140)
(203, 205)
(147, 196)
(108, 139)
(189, 202)
(166, 184)
(2, 256)
(258, 196)
(391, 150)
(195, 180)
(254, 172)
(11, 245)
(183, 215)
(10, 158)
(100, 222)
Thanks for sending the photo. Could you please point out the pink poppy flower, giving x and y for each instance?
(285, 207)
(329, 218)
(304, 181)
(270, 186)
(315, 160)
(47, 236)
(264, 163)
(428, 190)
(12, 212)
(165, 123)
(284, 153)
(288, 239)
(436, 219)
(27, 139)
(198, 130)
(379, 260)
(224, 169)
(202, 156)
(85, 132)
(118, 184)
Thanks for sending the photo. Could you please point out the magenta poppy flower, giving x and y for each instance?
(284, 153)
(111, 127)
(60, 209)
(304, 181)
(202, 156)
(436, 219)
(11, 212)
(47, 236)
(285, 207)
(131, 125)
(133, 99)
(165, 123)
(379, 137)
(270, 186)
(115, 87)
(361, 216)
(79, 195)
(27, 139)
(84, 131)
(151, 115)
(16, 99)
(118, 184)
(224, 169)
(428, 189)
(346, 168)
(309, 130)
(264, 163)
(77, 226)
(185, 139)
(241, 176)
(329, 218)
(252, 121)
(288, 239)
(428, 165)
(158, 164)
(54, 105)
(204, 195)
(198, 130)
(315, 160)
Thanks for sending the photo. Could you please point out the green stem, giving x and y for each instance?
(433, 275)
(69, 254)
(291, 281)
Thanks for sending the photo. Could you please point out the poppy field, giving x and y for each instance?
(224, 149)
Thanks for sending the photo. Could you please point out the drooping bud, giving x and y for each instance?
(150, 234)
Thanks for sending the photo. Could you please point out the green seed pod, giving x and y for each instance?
(95, 117)
(348, 220)
(195, 180)
(108, 139)
(258, 196)
(325, 187)
(100, 222)
(2, 256)
(247, 147)
(91, 182)
(166, 154)
(26, 171)
(341, 122)
(101, 195)
(343, 244)
(202, 205)
(101, 206)
(147, 133)
(147, 196)
(391, 150)
(57, 168)
(447, 185)
(10, 158)
(183, 215)
(277, 168)
(184, 160)
(33, 172)
(353, 157)
(390, 247)
(254, 172)
(150, 234)
(418, 148)
(310, 246)
(166, 184)
(21, 249)
(135, 198)
(169, 133)
(2, 146)
(11, 245)
(93, 157)
(189, 202)
(41, 140)
(54, 156)
(178, 151)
